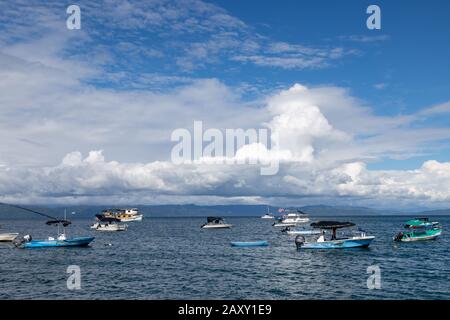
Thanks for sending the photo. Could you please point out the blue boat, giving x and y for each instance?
(60, 241)
(332, 241)
(249, 244)
(70, 242)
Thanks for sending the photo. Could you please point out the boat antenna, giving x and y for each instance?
(29, 210)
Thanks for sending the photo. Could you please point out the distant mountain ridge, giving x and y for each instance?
(192, 210)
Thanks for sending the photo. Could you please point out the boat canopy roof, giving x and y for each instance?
(106, 219)
(65, 223)
(419, 223)
(331, 225)
(214, 219)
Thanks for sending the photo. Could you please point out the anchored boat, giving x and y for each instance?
(292, 219)
(328, 238)
(8, 236)
(60, 241)
(216, 223)
(419, 229)
(108, 224)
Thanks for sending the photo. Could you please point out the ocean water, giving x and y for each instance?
(172, 258)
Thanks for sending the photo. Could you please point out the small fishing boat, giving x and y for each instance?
(332, 241)
(60, 241)
(249, 244)
(292, 219)
(419, 229)
(8, 236)
(108, 224)
(216, 223)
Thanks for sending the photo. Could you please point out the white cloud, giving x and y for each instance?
(312, 166)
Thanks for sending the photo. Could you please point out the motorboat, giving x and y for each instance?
(108, 224)
(419, 229)
(8, 236)
(215, 223)
(124, 215)
(328, 238)
(292, 219)
(249, 244)
(60, 241)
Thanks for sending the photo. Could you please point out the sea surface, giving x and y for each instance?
(172, 258)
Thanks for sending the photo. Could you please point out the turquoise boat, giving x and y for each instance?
(328, 238)
(419, 229)
(70, 242)
(249, 244)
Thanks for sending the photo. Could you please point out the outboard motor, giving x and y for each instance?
(399, 236)
(299, 241)
(26, 238)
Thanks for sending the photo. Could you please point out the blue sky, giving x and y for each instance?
(84, 110)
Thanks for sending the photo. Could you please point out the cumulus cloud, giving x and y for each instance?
(306, 147)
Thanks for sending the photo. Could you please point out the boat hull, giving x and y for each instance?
(109, 228)
(133, 218)
(72, 242)
(280, 224)
(8, 237)
(425, 237)
(361, 242)
(249, 244)
(217, 226)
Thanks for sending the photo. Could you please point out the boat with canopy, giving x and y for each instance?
(60, 241)
(108, 224)
(216, 223)
(329, 239)
(419, 229)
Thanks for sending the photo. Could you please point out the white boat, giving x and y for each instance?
(216, 223)
(292, 219)
(108, 224)
(105, 226)
(8, 236)
(360, 240)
